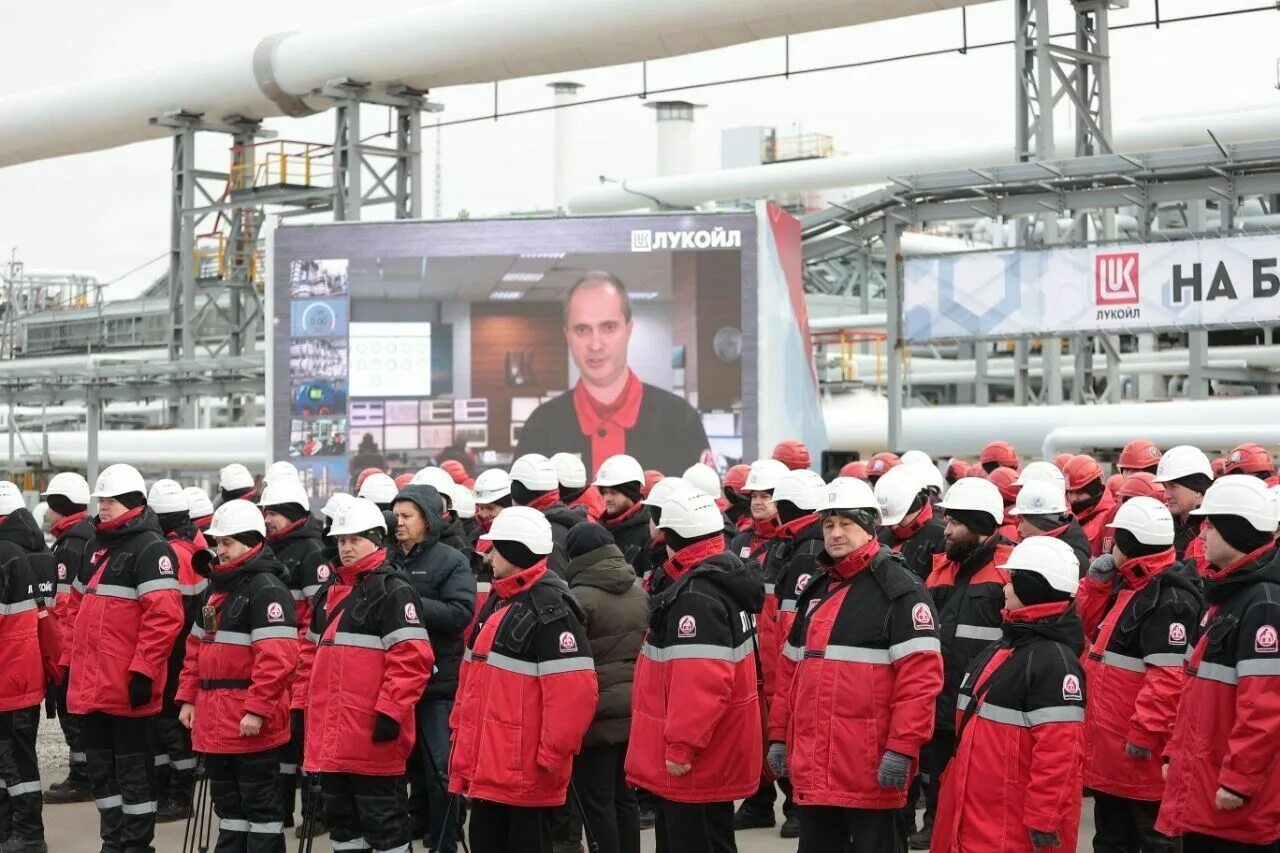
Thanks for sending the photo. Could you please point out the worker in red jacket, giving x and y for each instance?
(1042, 510)
(128, 615)
(526, 693)
(1135, 674)
(858, 680)
(29, 644)
(365, 667)
(234, 687)
(1006, 482)
(1186, 474)
(1223, 778)
(1139, 455)
(1014, 784)
(1090, 502)
(739, 509)
(908, 522)
(575, 491)
(695, 709)
(67, 497)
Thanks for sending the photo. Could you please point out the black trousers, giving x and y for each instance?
(695, 827)
(1194, 843)
(174, 758)
(73, 733)
(499, 828)
(1127, 826)
(830, 829)
(122, 773)
(21, 799)
(765, 796)
(608, 804)
(374, 809)
(245, 791)
(290, 756)
(935, 758)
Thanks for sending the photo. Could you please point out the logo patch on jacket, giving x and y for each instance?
(568, 643)
(1177, 634)
(687, 627)
(1265, 640)
(410, 612)
(802, 582)
(1071, 689)
(322, 573)
(275, 613)
(745, 552)
(922, 617)
(165, 565)
(62, 571)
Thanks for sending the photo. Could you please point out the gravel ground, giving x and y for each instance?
(52, 750)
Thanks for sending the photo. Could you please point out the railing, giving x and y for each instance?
(280, 163)
(847, 340)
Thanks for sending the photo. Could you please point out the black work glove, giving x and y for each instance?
(139, 690)
(50, 702)
(296, 724)
(385, 729)
(1044, 839)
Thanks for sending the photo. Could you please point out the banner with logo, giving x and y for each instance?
(1123, 288)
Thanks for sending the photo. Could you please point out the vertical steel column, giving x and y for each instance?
(348, 162)
(92, 418)
(1021, 372)
(408, 188)
(182, 260)
(981, 388)
(893, 330)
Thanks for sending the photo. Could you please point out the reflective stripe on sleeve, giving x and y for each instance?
(855, 654)
(274, 632)
(231, 638)
(107, 590)
(1256, 666)
(1216, 672)
(537, 670)
(1028, 719)
(898, 651)
(401, 635)
(362, 641)
(696, 651)
(978, 632)
(1125, 662)
(17, 607)
(158, 585)
(793, 653)
(1174, 659)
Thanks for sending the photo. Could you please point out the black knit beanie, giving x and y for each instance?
(980, 523)
(517, 554)
(1240, 534)
(132, 500)
(1132, 548)
(235, 494)
(249, 539)
(864, 518)
(679, 543)
(1031, 588)
(291, 511)
(585, 538)
(568, 495)
(63, 506)
(522, 495)
(631, 490)
(789, 512)
(171, 521)
(1195, 482)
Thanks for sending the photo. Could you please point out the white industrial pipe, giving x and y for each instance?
(164, 448)
(446, 44)
(1211, 436)
(837, 172)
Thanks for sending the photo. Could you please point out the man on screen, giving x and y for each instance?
(610, 411)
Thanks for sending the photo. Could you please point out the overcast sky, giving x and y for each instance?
(107, 212)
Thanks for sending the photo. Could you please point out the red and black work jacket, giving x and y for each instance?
(185, 541)
(71, 536)
(695, 699)
(1135, 671)
(918, 540)
(240, 656)
(1020, 747)
(798, 558)
(969, 597)
(773, 565)
(859, 675)
(127, 608)
(1227, 734)
(25, 644)
(630, 529)
(526, 694)
(300, 549)
(754, 545)
(590, 501)
(1094, 521)
(367, 654)
(1188, 544)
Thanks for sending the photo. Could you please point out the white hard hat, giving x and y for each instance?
(238, 516)
(690, 514)
(334, 505)
(379, 488)
(285, 491)
(667, 488)
(1041, 471)
(437, 478)
(71, 486)
(358, 515)
(928, 473)
(167, 496)
(10, 497)
(849, 493)
(802, 487)
(764, 475)
(916, 457)
(1240, 495)
(522, 524)
(464, 503)
(702, 476)
(1182, 461)
(619, 469)
(897, 490)
(119, 479)
(976, 495)
(1147, 519)
(1040, 497)
(535, 472)
(570, 471)
(198, 503)
(283, 468)
(234, 477)
(492, 485)
(1049, 557)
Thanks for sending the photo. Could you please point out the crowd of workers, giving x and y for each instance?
(538, 658)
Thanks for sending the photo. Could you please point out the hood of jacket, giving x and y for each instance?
(144, 522)
(603, 568)
(20, 528)
(1057, 621)
(258, 561)
(1262, 565)
(563, 516)
(743, 583)
(427, 499)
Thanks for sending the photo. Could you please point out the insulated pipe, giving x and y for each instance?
(443, 44)
(1164, 434)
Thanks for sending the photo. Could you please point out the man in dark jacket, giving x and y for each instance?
(620, 481)
(1041, 510)
(444, 580)
(616, 611)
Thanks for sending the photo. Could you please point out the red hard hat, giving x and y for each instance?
(857, 470)
(1061, 460)
(455, 469)
(1004, 478)
(957, 469)
(1113, 483)
(365, 474)
(736, 477)
(1219, 466)
(650, 478)
(792, 453)
(1139, 455)
(882, 463)
(1080, 471)
(404, 479)
(1140, 484)
(1249, 459)
(1000, 452)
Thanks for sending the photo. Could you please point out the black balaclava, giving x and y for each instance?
(235, 494)
(1048, 522)
(291, 511)
(1240, 534)
(678, 543)
(63, 506)
(1132, 548)
(789, 512)
(523, 495)
(979, 522)
(517, 554)
(1094, 490)
(585, 538)
(1031, 588)
(568, 495)
(631, 490)
(173, 522)
(990, 466)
